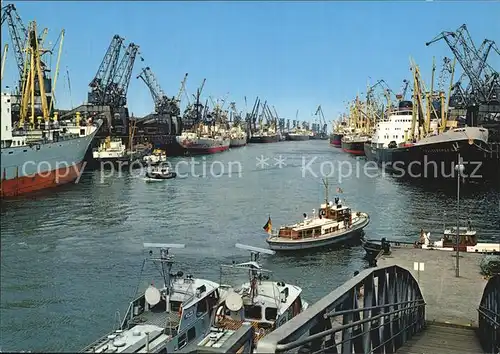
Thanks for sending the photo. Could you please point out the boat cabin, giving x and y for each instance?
(190, 299)
(331, 217)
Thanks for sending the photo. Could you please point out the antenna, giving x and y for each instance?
(254, 249)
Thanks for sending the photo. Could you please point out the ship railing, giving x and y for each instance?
(376, 311)
(489, 316)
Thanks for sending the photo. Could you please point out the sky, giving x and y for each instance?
(295, 55)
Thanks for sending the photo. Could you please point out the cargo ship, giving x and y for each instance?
(354, 144)
(298, 135)
(238, 137)
(264, 137)
(434, 156)
(196, 144)
(43, 158)
(338, 134)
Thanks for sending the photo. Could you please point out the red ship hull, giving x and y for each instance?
(37, 182)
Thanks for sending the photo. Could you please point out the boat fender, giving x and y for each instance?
(180, 310)
(219, 314)
(350, 219)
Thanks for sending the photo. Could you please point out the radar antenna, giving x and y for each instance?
(166, 261)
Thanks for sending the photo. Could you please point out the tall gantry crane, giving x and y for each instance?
(18, 34)
(322, 120)
(110, 85)
(106, 72)
(484, 84)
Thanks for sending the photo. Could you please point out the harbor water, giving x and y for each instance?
(71, 257)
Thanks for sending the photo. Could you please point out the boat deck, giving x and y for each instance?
(161, 319)
(358, 222)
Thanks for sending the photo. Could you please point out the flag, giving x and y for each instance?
(339, 190)
(268, 226)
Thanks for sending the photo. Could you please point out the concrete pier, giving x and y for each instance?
(449, 299)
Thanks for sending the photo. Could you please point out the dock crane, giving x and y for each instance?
(322, 120)
(483, 79)
(121, 81)
(18, 34)
(106, 72)
(182, 89)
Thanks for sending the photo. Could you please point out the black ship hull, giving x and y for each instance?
(432, 161)
(354, 147)
(259, 139)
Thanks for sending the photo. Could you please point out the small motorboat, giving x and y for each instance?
(374, 247)
(159, 173)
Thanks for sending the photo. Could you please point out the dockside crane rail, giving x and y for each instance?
(106, 72)
(483, 79)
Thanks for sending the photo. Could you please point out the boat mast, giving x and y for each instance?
(325, 183)
(166, 260)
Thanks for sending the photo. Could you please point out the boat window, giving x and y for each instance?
(201, 306)
(182, 341)
(271, 313)
(253, 312)
(191, 334)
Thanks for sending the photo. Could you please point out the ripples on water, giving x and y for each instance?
(71, 257)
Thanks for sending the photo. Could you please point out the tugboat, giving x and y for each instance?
(264, 303)
(335, 223)
(160, 320)
(159, 173)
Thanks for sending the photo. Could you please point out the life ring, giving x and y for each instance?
(262, 331)
(219, 314)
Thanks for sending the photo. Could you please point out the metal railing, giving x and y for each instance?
(375, 312)
(489, 316)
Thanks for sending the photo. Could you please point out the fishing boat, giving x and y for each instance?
(36, 158)
(334, 224)
(158, 156)
(163, 319)
(159, 173)
(265, 304)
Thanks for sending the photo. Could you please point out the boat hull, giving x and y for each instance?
(432, 160)
(352, 233)
(238, 142)
(336, 140)
(27, 169)
(298, 137)
(204, 146)
(260, 139)
(354, 147)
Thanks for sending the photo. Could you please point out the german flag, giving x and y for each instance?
(268, 226)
